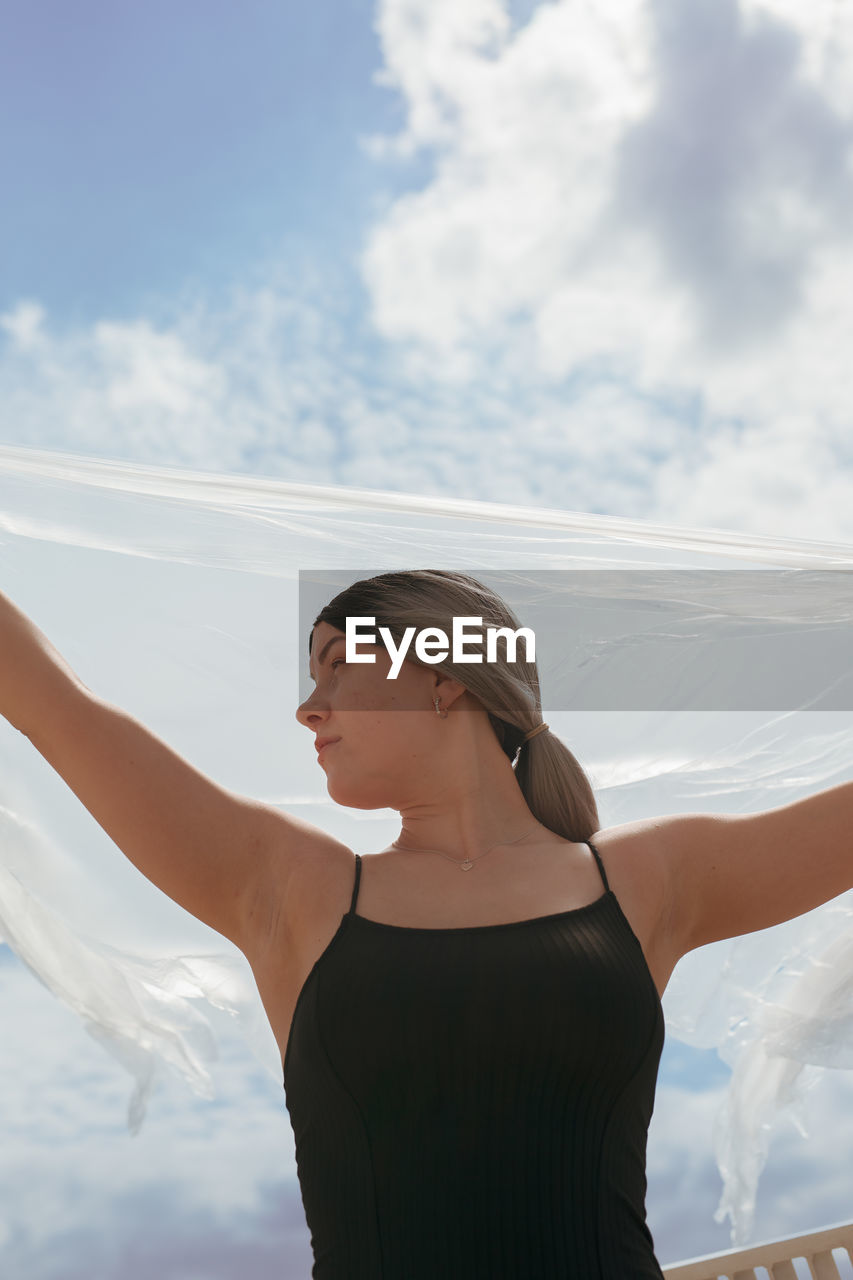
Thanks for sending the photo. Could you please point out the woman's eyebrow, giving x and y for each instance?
(325, 649)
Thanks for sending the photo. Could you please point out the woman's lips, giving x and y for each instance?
(325, 748)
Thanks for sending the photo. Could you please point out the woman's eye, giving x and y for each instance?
(336, 661)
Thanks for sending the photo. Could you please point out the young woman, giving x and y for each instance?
(470, 1020)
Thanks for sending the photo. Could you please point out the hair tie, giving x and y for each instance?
(533, 732)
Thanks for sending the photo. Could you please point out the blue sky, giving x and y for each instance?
(589, 257)
(153, 145)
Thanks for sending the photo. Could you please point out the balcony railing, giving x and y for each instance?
(815, 1250)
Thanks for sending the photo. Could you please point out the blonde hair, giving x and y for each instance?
(555, 787)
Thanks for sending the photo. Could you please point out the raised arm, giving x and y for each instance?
(732, 874)
(221, 856)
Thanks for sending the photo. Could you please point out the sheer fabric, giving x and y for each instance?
(175, 595)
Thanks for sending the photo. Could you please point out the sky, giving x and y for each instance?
(590, 256)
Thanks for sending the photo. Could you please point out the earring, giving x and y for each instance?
(443, 714)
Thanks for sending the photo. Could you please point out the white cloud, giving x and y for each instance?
(825, 29)
(274, 380)
(650, 192)
(201, 387)
(24, 325)
(524, 142)
(673, 202)
(79, 1194)
(626, 288)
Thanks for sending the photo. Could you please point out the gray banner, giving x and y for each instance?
(651, 640)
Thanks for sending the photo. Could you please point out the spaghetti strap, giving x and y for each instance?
(355, 887)
(600, 864)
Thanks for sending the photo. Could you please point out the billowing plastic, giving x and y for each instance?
(175, 595)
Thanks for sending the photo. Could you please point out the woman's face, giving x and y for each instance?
(389, 735)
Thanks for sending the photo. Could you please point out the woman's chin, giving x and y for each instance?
(354, 797)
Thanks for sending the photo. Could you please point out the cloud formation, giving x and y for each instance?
(79, 1194)
(644, 194)
(739, 173)
(623, 286)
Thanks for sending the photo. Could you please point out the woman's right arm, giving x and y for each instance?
(225, 858)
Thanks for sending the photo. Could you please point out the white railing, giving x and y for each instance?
(777, 1258)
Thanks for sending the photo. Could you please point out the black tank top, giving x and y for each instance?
(473, 1103)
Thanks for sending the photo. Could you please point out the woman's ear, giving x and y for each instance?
(447, 690)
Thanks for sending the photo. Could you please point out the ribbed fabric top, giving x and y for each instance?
(473, 1103)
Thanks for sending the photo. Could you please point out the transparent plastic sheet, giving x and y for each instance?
(175, 595)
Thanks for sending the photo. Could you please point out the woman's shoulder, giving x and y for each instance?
(628, 844)
(635, 863)
(308, 870)
(639, 875)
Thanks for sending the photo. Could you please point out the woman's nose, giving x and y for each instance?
(309, 714)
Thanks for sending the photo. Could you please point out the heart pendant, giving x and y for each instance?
(466, 865)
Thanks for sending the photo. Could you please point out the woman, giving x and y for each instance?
(469, 1059)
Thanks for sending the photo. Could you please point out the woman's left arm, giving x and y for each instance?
(730, 874)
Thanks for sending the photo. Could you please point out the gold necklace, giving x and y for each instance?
(469, 862)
